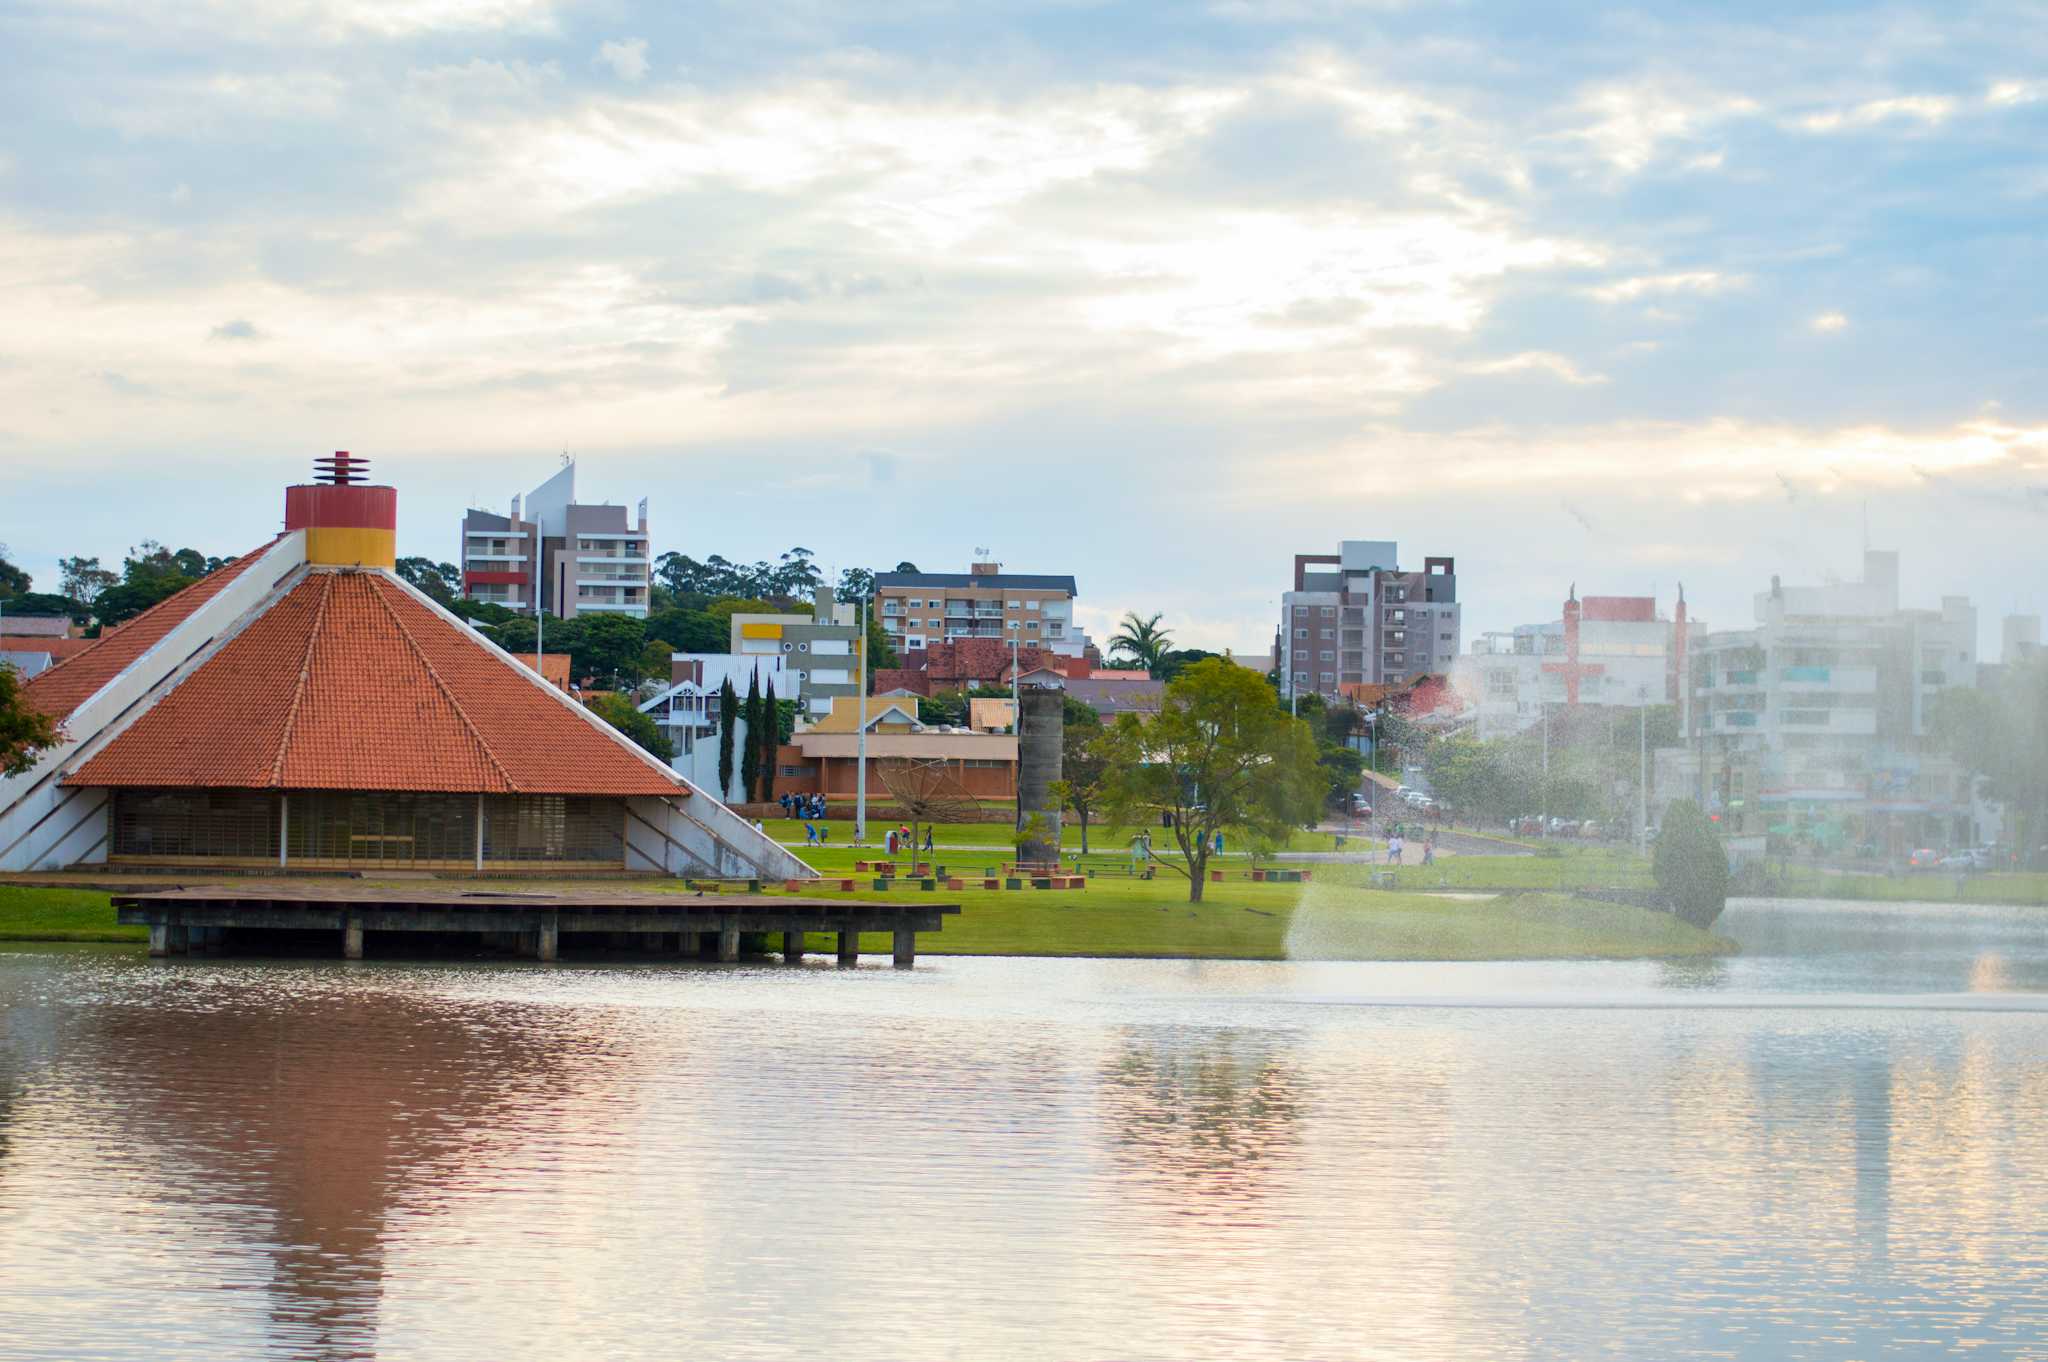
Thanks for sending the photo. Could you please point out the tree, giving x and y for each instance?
(653, 661)
(83, 579)
(1082, 765)
(25, 730)
(856, 586)
(728, 716)
(906, 567)
(881, 648)
(124, 600)
(1176, 660)
(767, 737)
(45, 604)
(2001, 734)
(691, 631)
(1142, 641)
(1219, 755)
(442, 581)
(750, 756)
(605, 645)
(622, 714)
(13, 581)
(1689, 865)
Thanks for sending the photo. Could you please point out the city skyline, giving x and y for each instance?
(1149, 297)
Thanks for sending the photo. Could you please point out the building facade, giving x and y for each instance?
(575, 557)
(687, 708)
(921, 609)
(1601, 650)
(1814, 725)
(820, 649)
(1355, 617)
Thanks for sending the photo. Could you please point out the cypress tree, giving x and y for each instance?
(728, 716)
(771, 736)
(750, 758)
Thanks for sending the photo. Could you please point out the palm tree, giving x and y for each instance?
(1141, 640)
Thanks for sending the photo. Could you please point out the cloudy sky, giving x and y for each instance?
(1156, 294)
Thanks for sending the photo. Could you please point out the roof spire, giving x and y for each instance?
(340, 468)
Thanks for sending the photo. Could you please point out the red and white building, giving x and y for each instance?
(1600, 650)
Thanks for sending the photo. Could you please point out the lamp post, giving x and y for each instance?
(1642, 771)
(860, 761)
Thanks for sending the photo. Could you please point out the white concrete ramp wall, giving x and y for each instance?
(44, 826)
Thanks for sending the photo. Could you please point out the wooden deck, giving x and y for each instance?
(210, 917)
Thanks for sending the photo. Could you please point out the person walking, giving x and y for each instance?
(1394, 849)
(810, 833)
(1429, 849)
(927, 839)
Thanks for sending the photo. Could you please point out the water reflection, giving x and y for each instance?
(1019, 1158)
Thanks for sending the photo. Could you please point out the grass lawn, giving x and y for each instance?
(1102, 839)
(61, 915)
(1239, 920)
(2016, 887)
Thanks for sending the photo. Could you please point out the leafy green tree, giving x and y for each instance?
(442, 581)
(1082, 764)
(1689, 864)
(2000, 733)
(766, 736)
(728, 717)
(856, 586)
(607, 646)
(83, 579)
(46, 605)
(126, 599)
(25, 730)
(653, 662)
(13, 581)
(622, 714)
(906, 567)
(1219, 755)
(1142, 641)
(750, 755)
(691, 631)
(1172, 663)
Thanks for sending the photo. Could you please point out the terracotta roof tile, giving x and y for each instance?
(76, 679)
(350, 683)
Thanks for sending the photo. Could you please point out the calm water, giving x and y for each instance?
(1833, 1147)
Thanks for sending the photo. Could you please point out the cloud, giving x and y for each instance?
(1828, 322)
(240, 329)
(1927, 110)
(628, 59)
(1546, 361)
(1706, 282)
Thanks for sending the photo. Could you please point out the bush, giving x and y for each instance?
(1690, 866)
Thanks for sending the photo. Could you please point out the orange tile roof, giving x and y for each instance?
(349, 682)
(55, 646)
(75, 679)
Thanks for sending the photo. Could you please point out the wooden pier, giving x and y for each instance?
(209, 918)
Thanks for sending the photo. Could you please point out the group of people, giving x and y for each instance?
(803, 806)
(898, 840)
(1397, 846)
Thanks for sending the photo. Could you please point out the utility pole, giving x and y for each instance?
(860, 761)
(1017, 728)
(1642, 774)
(1544, 797)
(540, 556)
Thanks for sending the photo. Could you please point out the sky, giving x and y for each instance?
(1158, 295)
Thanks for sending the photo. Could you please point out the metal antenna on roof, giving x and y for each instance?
(341, 468)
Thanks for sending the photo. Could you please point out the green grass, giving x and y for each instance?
(2015, 887)
(1101, 838)
(1239, 920)
(61, 915)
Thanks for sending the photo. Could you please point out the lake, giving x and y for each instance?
(1834, 1146)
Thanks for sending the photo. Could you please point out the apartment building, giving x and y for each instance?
(687, 708)
(818, 648)
(579, 557)
(1600, 650)
(1815, 724)
(1356, 617)
(919, 609)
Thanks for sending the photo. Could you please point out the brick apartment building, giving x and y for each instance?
(1355, 617)
(584, 557)
(922, 609)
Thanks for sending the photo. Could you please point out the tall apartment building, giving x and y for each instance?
(818, 647)
(1601, 650)
(1814, 725)
(918, 609)
(2020, 638)
(1355, 617)
(583, 558)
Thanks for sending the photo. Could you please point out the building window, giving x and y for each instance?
(1013, 605)
(1301, 633)
(1031, 605)
(1299, 611)
(1328, 656)
(1328, 677)
(1032, 625)
(1301, 676)
(1329, 612)
(1329, 633)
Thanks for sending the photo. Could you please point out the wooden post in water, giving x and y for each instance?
(849, 948)
(792, 948)
(906, 948)
(548, 946)
(728, 942)
(159, 938)
(351, 937)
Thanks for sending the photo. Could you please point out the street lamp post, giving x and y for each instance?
(1642, 772)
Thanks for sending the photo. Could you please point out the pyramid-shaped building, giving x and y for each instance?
(305, 708)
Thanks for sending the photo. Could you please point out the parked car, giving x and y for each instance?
(1970, 858)
(1589, 829)
(1923, 858)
